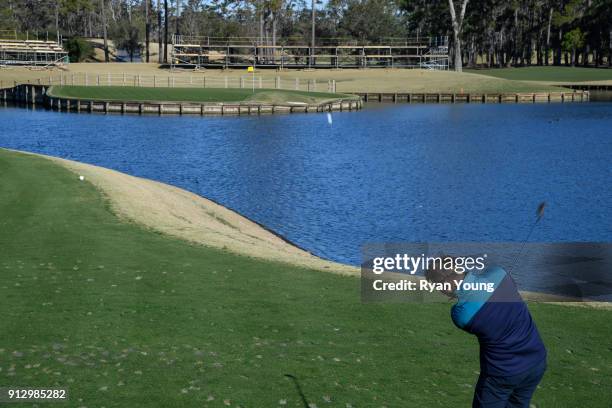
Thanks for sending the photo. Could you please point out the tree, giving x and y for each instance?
(491, 32)
(548, 26)
(78, 49)
(160, 47)
(127, 37)
(147, 27)
(457, 23)
(312, 34)
(371, 21)
(572, 41)
(105, 31)
(166, 18)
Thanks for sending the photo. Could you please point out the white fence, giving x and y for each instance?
(186, 81)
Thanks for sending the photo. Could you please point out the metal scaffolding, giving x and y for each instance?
(31, 52)
(200, 52)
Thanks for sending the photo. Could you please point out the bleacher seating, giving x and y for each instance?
(31, 52)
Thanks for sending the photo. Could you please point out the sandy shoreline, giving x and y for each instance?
(184, 215)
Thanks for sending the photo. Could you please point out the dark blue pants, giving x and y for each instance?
(508, 392)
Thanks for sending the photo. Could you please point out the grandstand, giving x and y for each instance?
(14, 51)
(200, 52)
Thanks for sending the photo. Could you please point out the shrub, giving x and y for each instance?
(78, 49)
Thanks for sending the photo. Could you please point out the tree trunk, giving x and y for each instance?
(104, 31)
(457, 22)
(530, 43)
(274, 38)
(516, 39)
(147, 29)
(500, 51)
(113, 16)
(57, 34)
(261, 32)
(166, 31)
(178, 14)
(610, 50)
(559, 51)
(261, 27)
(312, 32)
(160, 46)
(587, 47)
(550, 15)
(267, 41)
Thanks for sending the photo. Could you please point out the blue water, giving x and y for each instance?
(387, 173)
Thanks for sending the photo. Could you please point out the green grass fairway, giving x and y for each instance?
(550, 74)
(127, 93)
(125, 317)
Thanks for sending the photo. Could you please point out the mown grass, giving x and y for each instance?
(549, 74)
(125, 317)
(128, 93)
(347, 80)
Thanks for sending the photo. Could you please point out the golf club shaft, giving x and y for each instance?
(518, 255)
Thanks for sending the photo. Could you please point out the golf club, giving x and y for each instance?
(539, 215)
(299, 390)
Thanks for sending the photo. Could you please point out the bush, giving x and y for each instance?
(127, 37)
(78, 49)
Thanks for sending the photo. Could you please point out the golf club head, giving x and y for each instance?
(540, 210)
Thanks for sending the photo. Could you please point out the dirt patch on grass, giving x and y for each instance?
(179, 213)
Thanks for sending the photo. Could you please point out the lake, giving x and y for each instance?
(387, 173)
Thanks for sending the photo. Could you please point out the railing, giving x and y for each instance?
(181, 81)
(320, 41)
(12, 35)
(8, 34)
(439, 42)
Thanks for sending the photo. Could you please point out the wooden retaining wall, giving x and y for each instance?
(37, 95)
(28, 94)
(185, 108)
(404, 97)
(588, 87)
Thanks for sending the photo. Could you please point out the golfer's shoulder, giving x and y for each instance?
(463, 312)
(471, 301)
(494, 274)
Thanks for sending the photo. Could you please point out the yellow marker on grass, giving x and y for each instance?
(252, 69)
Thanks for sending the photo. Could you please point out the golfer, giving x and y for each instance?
(512, 355)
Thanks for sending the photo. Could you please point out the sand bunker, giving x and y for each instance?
(185, 215)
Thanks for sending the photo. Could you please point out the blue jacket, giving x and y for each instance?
(509, 340)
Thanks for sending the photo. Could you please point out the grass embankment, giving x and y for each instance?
(210, 95)
(127, 317)
(565, 75)
(347, 80)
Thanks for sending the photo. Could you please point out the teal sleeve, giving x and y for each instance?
(469, 302)
(463, 312)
